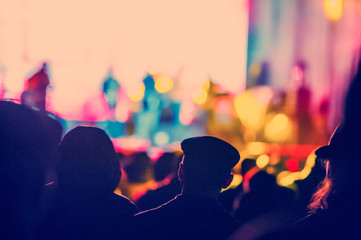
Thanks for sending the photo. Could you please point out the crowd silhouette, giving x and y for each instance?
(85, 205)
(195, 213)
(55, 187)
(335, 206)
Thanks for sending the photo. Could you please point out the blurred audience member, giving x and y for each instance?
(230, 199)
(35, 93)
(164, 166)
(139, 176)
(267, 207)
(123, 179)
(195, 213)
(24, 151)
(335, 209)
(165, 173)
(54, 130)
(307, 187)
(86, 207)
(265, 196)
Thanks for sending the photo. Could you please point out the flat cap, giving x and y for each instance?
(343, 142)
(211, 151)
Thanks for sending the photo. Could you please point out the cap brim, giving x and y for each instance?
(324, 152)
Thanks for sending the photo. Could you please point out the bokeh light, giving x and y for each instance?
(333, 9)
(262, 161)
(279, 129)
(136, 93)
(256, 148)
(161, 138)
(199, 96)
(248, 109)
(163, 84)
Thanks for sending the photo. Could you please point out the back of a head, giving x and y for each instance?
(23, 156)
(342, 152)
(137, 170)
(88, 162)
(208, 161)
(262, 180)
(53, 127)
(23, 149)
(164, 166)
(247, 164)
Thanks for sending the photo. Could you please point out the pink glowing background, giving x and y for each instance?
(185, 40)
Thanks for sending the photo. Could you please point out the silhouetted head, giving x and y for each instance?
(23, 151)
(164, 166)
(88, 162)
(137, 170)
(345, 140)
(23, 155)
(207, 163)
(247, 164)
(262, 180)
(344, 143)
(53, 127)
(342, 155)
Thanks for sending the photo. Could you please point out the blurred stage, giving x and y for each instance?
(267, 76)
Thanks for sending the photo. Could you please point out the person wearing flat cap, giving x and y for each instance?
(335, 209)
(195, 213)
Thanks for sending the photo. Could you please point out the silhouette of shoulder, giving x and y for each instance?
(159, 196)
(124, 205)
(187, 217)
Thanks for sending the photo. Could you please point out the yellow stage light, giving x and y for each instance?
(288, 180)
(206, 84)
(199, 96)
(271, 170)
(163, 84)
(136, 93)
(237, 179)
(249, 110)
(333, 9)
(256, 148)
(279, 129)
(262, 161)
(310, 162)
(151, 72)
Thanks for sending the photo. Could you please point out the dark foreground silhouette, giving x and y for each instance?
(86, 207)
(24, 152)
(195, 213)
